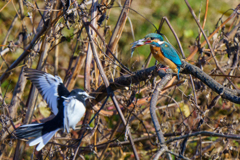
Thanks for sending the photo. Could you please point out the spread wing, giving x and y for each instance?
(50, 87)
(170, 53)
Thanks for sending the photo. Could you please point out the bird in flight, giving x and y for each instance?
(69, 108)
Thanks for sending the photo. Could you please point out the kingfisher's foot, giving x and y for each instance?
(165, 68)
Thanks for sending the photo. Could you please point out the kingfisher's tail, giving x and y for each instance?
(38, 132)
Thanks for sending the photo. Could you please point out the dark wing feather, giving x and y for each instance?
(50, 87)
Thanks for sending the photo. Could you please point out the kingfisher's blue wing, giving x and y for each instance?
(170, 53)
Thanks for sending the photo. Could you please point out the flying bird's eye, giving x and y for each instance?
(84, 96)
(152, 38)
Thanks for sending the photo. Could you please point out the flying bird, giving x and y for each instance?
(69, 108)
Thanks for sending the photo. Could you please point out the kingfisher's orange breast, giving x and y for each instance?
(158, 55)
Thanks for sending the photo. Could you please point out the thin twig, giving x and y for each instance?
(208, 43)
(80, 141)
(213, 33)
(174, 33)
(110, 92)
(203, 133)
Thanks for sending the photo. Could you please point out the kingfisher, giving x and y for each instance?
(69, 108)
(161, 50)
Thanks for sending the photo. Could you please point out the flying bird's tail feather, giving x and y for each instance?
(42, 140)
(37, 131)
(29, 130)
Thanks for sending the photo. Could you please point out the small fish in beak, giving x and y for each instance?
(136, 44)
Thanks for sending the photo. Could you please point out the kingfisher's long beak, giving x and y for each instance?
(147, 42)
(138, 43)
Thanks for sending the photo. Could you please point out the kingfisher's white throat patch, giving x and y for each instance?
(160, 42)
(157, 41)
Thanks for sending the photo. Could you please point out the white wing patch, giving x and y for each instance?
(48, 85)
(73, 112)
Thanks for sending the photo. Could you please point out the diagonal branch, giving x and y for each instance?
(116, 35)
(110, 92)
(226, 93)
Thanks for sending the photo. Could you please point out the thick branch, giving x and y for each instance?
(126, 80)
(153, 109)
(186, 68)
(226, 93)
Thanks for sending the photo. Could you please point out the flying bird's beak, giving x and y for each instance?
(91, 97)
(136, 44)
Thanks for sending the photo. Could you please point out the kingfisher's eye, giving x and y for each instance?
(152, 38)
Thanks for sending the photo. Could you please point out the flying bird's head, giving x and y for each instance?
(80, 94)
